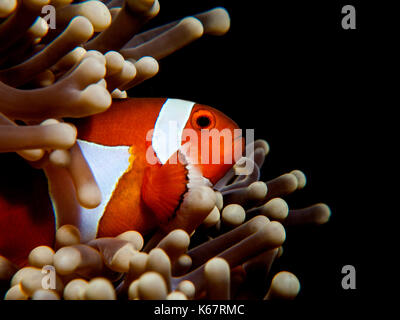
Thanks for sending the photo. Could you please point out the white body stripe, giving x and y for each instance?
(108, 164)
(168, 129)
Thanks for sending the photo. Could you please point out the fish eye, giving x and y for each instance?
(203, 119)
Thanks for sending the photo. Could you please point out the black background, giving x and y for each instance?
(313, 90)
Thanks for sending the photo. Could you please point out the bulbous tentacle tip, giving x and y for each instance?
(66, 260)
(94, 99)
(114, 62)
(39, 29)
(301, 178)
(133, 237)
(192, 27)
(233, 215)
(212, 219)
(216, 22)
(277, 233)
(7, 7)
(100, 289)
(261, 143)
(41, 256)
(217, 279)
(175, 243)
(285, 285)
(80, 28)
(275, 209)
(323, 213)
(151, 286)
(75, 289)
(200, 199)
(67, 235)
(97, 13)
(60, 158)
(80, 258)
(89, 195)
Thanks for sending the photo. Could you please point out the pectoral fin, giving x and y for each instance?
(164, 186)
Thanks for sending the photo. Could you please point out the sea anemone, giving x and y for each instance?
(96, 53)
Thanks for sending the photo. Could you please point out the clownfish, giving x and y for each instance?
(145, 155)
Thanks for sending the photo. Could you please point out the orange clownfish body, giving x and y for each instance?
(145, 155)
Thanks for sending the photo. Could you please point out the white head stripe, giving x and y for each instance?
(167, 135)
